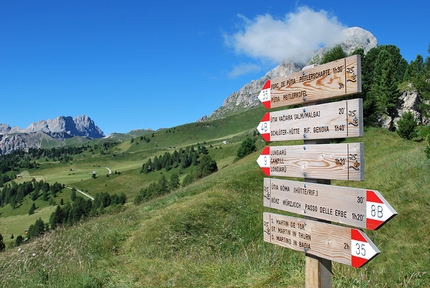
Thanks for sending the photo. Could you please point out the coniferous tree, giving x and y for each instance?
(382, 70)
(333, 54)
(174, 182)
(163, 185)
(32, 208)
(407, 126)
(2, 245)
(247, 146)
(19, 240)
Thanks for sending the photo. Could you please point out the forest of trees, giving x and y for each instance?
(13, 193)
(202, 162)
(19, 159)
(384, 70)
(73, 212)
(183, 158)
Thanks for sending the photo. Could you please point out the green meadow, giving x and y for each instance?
(210, 233)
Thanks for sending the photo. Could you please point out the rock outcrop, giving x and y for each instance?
(13, 138)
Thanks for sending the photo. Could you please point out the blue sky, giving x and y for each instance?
(159, 64)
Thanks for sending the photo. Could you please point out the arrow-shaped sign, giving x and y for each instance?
(357, 207)
(323, 161)
(341, 119)
(334, 79)
(336, 243)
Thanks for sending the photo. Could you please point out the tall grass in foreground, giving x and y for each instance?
(209, 234)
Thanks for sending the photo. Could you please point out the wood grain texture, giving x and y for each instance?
(330, 80)
(340, 119)
(321, 161)
(315, 238)
(344, 205)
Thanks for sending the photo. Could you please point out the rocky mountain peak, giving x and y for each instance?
(55, 129)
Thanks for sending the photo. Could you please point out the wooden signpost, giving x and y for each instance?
(362, 208)
(325, 161)
(336, 243)
(334, 79)
(318, 162)
(332, 120)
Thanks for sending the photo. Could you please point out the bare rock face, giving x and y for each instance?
(410, 101)
(67, 126)
(53, 129)
(354, 37)
(247, 96)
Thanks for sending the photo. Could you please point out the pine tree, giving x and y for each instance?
(174, 182)
(333, 54)
(32, 208)
(2, 245)
(407, 126)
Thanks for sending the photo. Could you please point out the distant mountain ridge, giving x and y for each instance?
(13, 138)
(247, 97)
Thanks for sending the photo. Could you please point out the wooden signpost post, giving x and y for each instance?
(318, 162)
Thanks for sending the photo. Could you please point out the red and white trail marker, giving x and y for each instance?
(336, 243)
(362, 249)
(264, 95)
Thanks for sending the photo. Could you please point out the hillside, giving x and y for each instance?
(210, 233)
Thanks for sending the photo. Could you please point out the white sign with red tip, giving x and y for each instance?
(264, 95)
(341, 119)
(336, 243)
(362, 208)
(362, 248)
(330, 80)
(323, 161)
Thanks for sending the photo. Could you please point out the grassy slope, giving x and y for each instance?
(209, 234)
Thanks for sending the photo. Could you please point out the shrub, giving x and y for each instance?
(407, 126)
(427, 149)
(246, 147)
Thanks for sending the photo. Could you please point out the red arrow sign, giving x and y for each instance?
(362, 248)
(378, 209)
(336, 243)
(264, 95)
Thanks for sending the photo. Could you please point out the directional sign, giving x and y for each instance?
(323, 161)
(336, 243)
(334, 79)
(361, 208)
(333, 120)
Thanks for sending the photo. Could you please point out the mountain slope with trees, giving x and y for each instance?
(208, 232)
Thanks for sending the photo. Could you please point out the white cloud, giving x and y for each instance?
(295, 38)
(242, 69)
